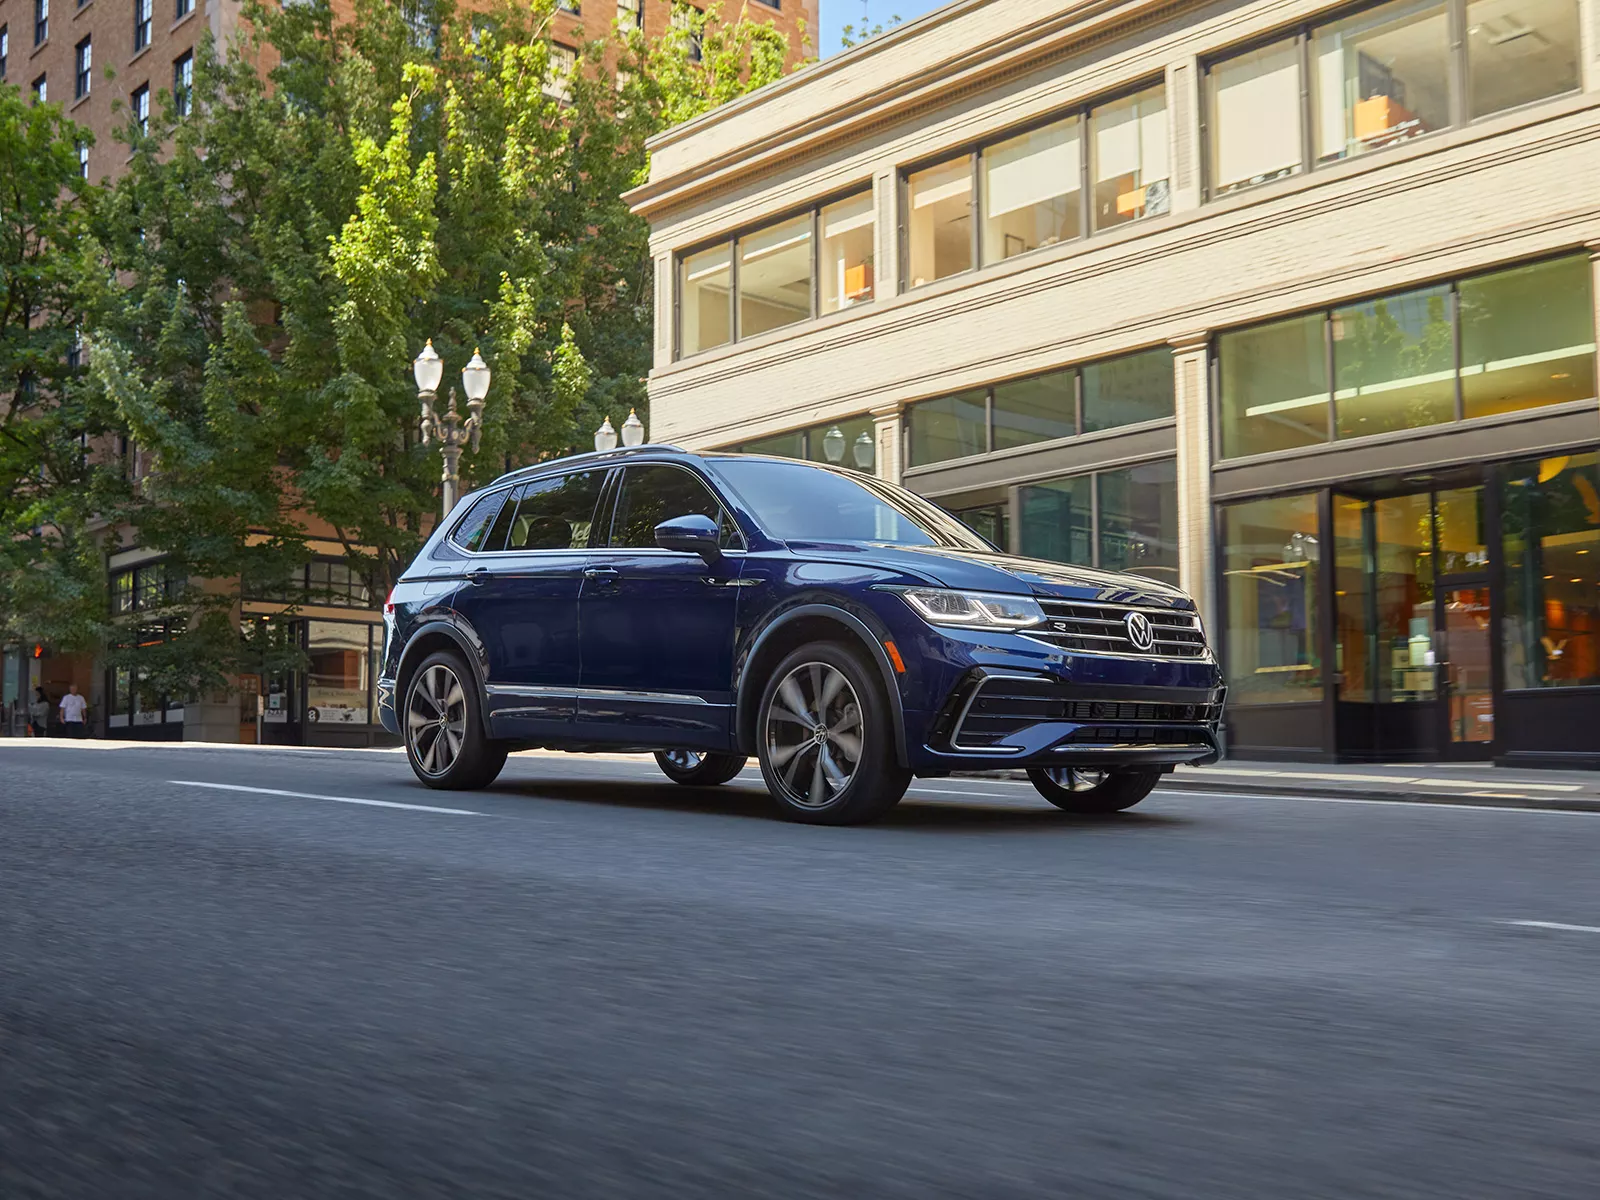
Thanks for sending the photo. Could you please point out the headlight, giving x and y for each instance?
(974, 610)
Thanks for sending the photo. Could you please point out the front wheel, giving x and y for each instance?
(447, 743)
(826, 739)
(1075, 790)
(695, 768)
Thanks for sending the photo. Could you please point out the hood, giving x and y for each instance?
(996, 572)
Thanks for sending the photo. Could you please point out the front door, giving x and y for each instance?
(658, 625)
(1468, 689)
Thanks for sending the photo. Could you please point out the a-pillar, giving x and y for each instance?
(1196, 554)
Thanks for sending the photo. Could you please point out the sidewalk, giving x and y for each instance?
(1427, 783)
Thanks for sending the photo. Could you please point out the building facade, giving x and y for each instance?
(1289, 302)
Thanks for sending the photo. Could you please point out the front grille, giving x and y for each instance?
(1103, 629)
(1003, 706)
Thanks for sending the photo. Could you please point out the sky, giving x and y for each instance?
(836, 14)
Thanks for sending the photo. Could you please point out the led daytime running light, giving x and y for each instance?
(974, 610)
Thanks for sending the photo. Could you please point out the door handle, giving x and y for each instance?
(601, 574)
(477, 575)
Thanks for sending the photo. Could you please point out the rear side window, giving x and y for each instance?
(653, 493)
(555, 513)
(472, 532)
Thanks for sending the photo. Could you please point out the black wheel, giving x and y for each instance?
(1077, 790)
(446, 740)
(826, 739)
(696, 768)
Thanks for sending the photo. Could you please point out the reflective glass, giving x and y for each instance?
(848, 234)
(1380, 78)
(1035, 410)
(1056, 520)
(1519, 51)
(1274, 386)
(849, 442)
(1527, 337)
(339, 675)
(775, 277)
(1139, 520)
(940, 221)
(1404, 597)
(1032, 190)
(1271, 563)
(950, 427)
(1355, 647)
(1551, 516)
(1127, 390)
(705, 293)
(1394, 363)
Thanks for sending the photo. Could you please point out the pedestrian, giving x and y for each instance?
(73, 708)
(39, 713)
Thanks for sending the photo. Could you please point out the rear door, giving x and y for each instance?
(657, 626)
(521, 599)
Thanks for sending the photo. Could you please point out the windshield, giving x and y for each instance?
(800, 502)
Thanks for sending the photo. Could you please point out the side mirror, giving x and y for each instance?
(694, 534)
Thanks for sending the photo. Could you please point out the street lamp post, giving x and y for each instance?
(605, 438)
(448, 427)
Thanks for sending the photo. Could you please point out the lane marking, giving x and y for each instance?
(235, 787)
(1561, 925)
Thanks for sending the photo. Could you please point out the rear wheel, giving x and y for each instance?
(1076, 790)
(696, 768)
(827, 739)
(447, 742)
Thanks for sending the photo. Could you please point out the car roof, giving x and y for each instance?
(654, 452)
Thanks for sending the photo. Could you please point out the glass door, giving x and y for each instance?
(1468, 686)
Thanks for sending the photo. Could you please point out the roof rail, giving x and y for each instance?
(587, 456)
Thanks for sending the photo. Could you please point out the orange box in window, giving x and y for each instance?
(1130, 202)
(1376, 114)
(858, 280)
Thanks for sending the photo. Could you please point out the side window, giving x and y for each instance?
(655, 493)
(556, 513)
(472, 531)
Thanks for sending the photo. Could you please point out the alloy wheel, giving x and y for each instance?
(813, 734)
(436, 719)
(1075, 779)
(684, 760)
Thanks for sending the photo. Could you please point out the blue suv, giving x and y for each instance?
(844, 631)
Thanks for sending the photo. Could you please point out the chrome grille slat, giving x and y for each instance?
(1101, 628)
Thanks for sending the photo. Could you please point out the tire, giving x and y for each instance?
(804, 761)
(447, 741)
(1083, 791)
(695, 768)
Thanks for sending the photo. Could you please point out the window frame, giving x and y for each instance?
(731, 240)
(504, 494)
(610, 503)
(183, 84)
(507, 515)
(41, 22)
(144, 12)
(181, 9)
(82, 67)
(40, 88)
(5, 48)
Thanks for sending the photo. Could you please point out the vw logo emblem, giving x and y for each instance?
(1139, 632)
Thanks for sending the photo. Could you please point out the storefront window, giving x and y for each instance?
(705, 300)
(1404, 597)
(950, 427)
(1057, 520)
(1130, 158)
(1527, 337)
(1551, 632)
(1035, 410)
(940, 221)
(1032, 190)
(1274, 386)
(1127, 390)
(848, 233)
(1253, 117)
(338, 682)
(1519, 51)
(1354, 644)
(775, 277)
(1270, 562)
(1394, 363)
(1139, 520)
(1380, 78)
(783, 445)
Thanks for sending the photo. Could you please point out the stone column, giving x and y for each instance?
(1196, 554)
(1589, 44)
(1183, 123)
(886, 251)
(887, 428)
(666, 310)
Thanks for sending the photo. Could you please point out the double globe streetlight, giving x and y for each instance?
(861, 450)
(448, 427)
(605, 438)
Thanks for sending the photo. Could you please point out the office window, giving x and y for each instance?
(705, 305)
(849, 230)
(41, 90)
(949, 427)
(1127, 390)
(1270, 567)
(5, 49)
(143, 11)
(1551, 629)
(1055, 520)
(1129, 141)
(775, 277)
(183, 83)
(781, 445)
(1519, 51)
(1138, 520)
(1527, 337)
(83, 160)
(630, 14)
(1380, 78)
(939, 224)
(1394, 363)
(339, 677)
(82, 58)
(41, 21)
(558, 75)
(1035, 410)
(689, 19)
(1274, 386)
(846, 442)
(139, 104)
(1253, 117)
(1032, 192)
(182, 8)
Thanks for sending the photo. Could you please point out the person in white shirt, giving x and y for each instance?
(73, 708)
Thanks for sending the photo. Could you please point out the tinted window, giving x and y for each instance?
(555, 513)
(474, 527)
(793, 501)
(656, 493)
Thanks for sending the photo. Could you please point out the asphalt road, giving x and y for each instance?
(586, 982)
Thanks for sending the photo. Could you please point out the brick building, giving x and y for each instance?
(1291, 302)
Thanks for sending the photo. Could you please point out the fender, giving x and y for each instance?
(473, 654)
(748, 691)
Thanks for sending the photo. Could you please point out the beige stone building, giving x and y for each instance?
(1291, 303)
